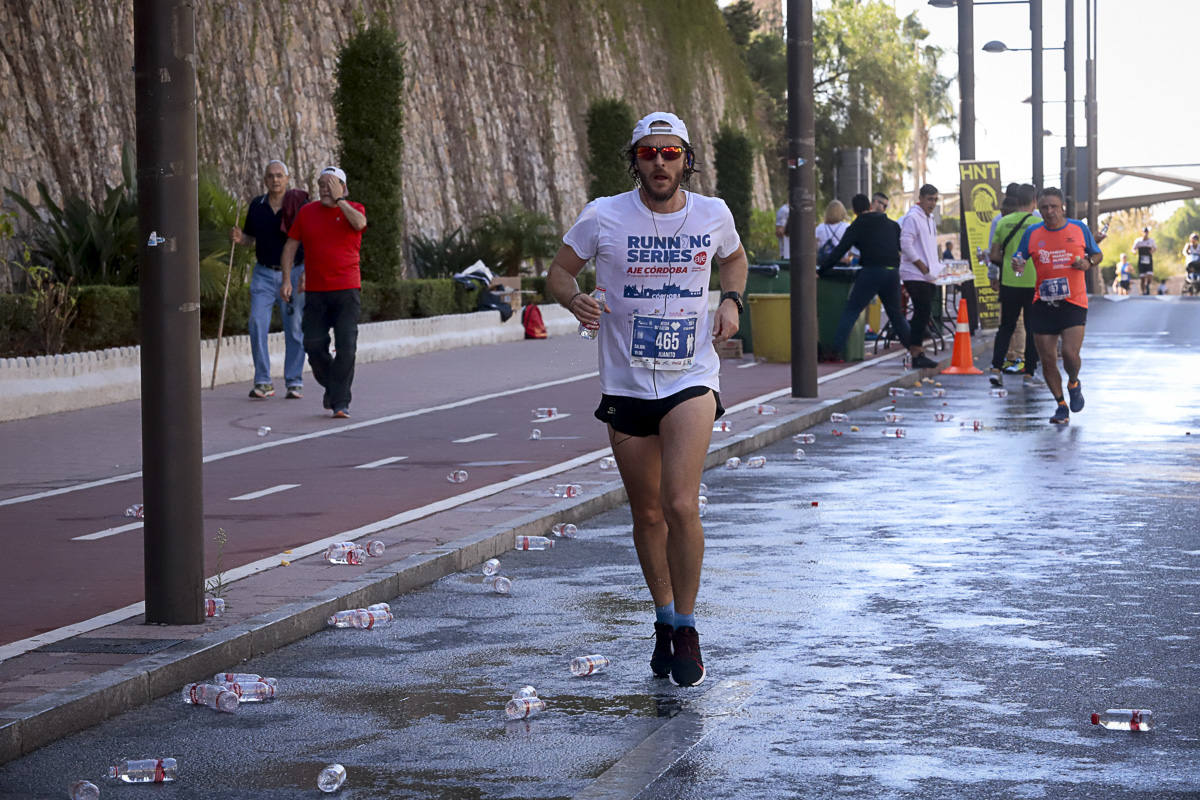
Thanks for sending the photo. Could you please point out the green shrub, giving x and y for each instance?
(18, 329)
(435, 257)
(368, 102)
(609, 124)
(508, 238)
(735, 162)
(108, 317)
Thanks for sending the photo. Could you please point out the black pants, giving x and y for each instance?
(922, 294)
(337, 310)
(870, 282)
(1014, 300)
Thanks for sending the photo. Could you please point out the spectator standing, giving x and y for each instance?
(918, 262)
(781, 232)
(330, 230)
(948, 252)
(1015, 291)
(831, 231)
(1145, 249)
(265, 230)
(1124, 275)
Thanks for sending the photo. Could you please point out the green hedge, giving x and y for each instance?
(108, 315)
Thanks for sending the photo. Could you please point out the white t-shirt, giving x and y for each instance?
(835, 231)
(781, 221)
(655, 271)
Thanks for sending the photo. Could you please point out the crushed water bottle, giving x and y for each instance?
(457, 476)
(343, 619)
(545, 413)
(137, 510)
(907, 361)
(756, 462)
(533, 543)
(491, 567)
(145, 770)
(524, 707)
(84, 790)
(499, 584)
(1124, 719)
(721, 426)
(895, 433)
(939, 392)
(764, 409)
(536, 433)
(608, 463)
(896, 391)
(214, 606)
(256, 692)
(971, 424)
(799, 454)
(565, 529)
(733, 463)
(942, 416)
(566, 490)
(523, 692)
(804, 438)
(703, 487)
(588, 665)
(836, 417)
(998, 393)
(243, 677)
(702, 504)
(366, 620)
(590, 333)
(331, 778)
(345, 553)
(375, 548)
(893, 417)
(264, 430)
(211, 695)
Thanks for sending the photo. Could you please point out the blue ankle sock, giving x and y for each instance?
(665, 614)
(685, 620)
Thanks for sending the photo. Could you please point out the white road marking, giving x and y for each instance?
(109, 532)
(748, 365)
(304, 437)
(283, 487)
(476, 438)
(381, 462)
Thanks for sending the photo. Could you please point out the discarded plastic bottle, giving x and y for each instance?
(366, 620)
(211, 695)
(893, 417)
(998, 393)
(214, 606)
(524, 707)
(942, 416)
(971, 424)
(895, 433)
(145, 770)
(565, 529)
(255, 692)
(939, 392)
(1124, 719)
(500, 585)
(702, 504)
(331, 778)
(608, 463)
(588, 665)
(345, 553)
(264, 430)
(703, 488)
(756, 462)
(545, 413)
(907, 361)
(590, 333)
(896, 391)
(836, 417)
(457, 476)
(491, 567)
(533, 543)
(375, 548)
(733, 463)
(243, 677)
(84, 790)
(721, 426)
(804, 438)
(764, 409)
(566, 490)
(343, 619)
(523, 692)
(136, 510)
(799, 454)
(536, 433)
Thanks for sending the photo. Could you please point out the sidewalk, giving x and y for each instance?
(78, 681)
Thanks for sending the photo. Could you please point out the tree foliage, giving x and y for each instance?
(609, 124)
(1173, 234)
(734, 157)
(368, 102)
(741, 18)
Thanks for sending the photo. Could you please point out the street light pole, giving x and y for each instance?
(1035, 30)
(1092, 25)
(802, 197)
(1068, 177)
(966, 83)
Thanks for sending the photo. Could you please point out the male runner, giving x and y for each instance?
(1062, 250)
(654, 249)
(1145, 249)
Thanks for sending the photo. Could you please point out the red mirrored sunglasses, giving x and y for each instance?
(669, 152)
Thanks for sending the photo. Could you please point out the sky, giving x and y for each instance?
(1148, 111)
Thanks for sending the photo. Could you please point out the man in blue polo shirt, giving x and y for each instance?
(266, 230)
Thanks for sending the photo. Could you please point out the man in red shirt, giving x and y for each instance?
(331, 232)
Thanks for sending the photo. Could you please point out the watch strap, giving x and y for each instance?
(736, 297)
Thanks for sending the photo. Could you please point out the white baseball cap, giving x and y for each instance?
(660, 122)
(335, 172)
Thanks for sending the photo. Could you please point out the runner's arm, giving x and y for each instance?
(563, 287)
(733, 271)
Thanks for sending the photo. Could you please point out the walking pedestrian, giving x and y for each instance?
(878, 241)
(1145, 249)
(1062, 251)
(918, 259)
(265, 230)
(330, 230)
(1015, 291)
(781, 232)
(655, 247)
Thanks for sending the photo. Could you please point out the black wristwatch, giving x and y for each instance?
(736, 297)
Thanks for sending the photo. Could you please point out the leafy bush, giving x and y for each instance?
(220, 211)
(609, 124)
(108, 317)
(442, 257)
(735, 162)
(506, 239)
(18, 331)
(369, 105)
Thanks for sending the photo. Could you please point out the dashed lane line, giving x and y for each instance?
(283, 487)
(383, 462)
(87, 537)
(476, 438)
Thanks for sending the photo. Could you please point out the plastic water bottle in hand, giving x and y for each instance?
(84, 790)
(145, 770)
(1124, 719)
(524, 707)
(214, 606)
(588, 665)
(565, 529)
(211, 695)
(590, 333)
(533, 543)
(491, 567)
(331, 778)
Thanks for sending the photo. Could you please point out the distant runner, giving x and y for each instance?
(1145, 249)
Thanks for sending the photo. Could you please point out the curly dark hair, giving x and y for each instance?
(689, 168)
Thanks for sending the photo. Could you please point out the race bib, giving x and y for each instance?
(1054, 289)
(667, 343)
(1144, 258)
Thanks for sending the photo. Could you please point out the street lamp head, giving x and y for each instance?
(943, 3)
(995, 46)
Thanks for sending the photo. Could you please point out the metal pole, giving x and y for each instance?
(1035, 30)
(802, 198)
(1090, 114)
(1068, 177)
(966, 80)
(164, 46)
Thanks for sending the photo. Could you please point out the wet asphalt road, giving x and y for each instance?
(940, 626)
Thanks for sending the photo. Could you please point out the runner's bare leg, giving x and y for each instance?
(1047, 347)
(1072, 343)
(639, 459)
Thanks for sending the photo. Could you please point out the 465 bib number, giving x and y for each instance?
(663, 342)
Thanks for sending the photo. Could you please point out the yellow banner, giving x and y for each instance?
(979, 193)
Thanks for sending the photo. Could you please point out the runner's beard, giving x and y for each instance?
(663, 196)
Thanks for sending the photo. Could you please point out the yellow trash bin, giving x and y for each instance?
(771, 323)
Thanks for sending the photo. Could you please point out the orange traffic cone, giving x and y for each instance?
(962, 362)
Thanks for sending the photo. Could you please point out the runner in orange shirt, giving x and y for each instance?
(1062, 250)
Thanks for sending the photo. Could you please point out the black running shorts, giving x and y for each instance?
(637, 417)
(1047, 319)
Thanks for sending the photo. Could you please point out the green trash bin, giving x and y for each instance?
(833, 289)
(773, 277)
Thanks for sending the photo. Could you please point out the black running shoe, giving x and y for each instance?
(922, 361)
(660, 661)
(1076, 393)
(1061, 415)
(687, 668)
